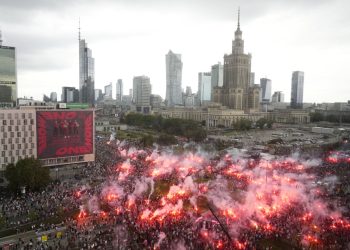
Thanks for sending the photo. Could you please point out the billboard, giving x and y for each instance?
(64, 133)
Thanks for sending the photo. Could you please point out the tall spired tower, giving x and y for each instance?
(236, 91)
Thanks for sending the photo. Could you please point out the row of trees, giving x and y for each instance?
(28, 173)
(245, 124)
(187, 128)
(319, 117)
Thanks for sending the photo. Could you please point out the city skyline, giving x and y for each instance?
(282, 37)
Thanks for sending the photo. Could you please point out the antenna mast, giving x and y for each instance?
(79, 29)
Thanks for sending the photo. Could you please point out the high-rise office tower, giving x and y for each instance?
(119, 90)
(53, 97)
(8, 75)
(217, 75)
(252, 79)
(69, 95)
(86, 74)
(173, 79)
(141, 93)
(204, 86)
(265, 85)
(296, 100)
(277, 97)
(108, 91)
(236, 86)
(98, 95)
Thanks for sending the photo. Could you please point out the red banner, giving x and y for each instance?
(64, 133)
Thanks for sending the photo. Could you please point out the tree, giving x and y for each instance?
(165, 139)
(147, 140)
(316, 117)
(243, 124)
(29, 173)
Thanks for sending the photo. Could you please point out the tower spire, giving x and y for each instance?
(239, 17)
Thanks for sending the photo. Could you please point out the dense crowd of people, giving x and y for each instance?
(111, 226)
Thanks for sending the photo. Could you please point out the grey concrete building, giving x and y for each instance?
(108, 91)
(173, 79)
(119, 90)
(277, 97)
(141, 94)
(297, 92)
(69, 95)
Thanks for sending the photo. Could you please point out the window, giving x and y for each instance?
(32, 133)
(30, 116)
(17, 140)
(12, 159)
(12, 134)
(9, 116)
(23, 140)
(30, 139)
(5, 160)
(18, 122)
(30, 151)
(12, 147)
(9, 128)
(23, 128)
(23, 115)
(16, 128)
(16, 116)
(10, 140)
(25, 133)
(2, 141)
(24, 152)
(32, 121)
(10, 153)
(19, 146)
(4, 122)
(32, 145)
(17, 152)
(5, 135)
(2, 116)
(12, 122)
(3, 153)
(2, 128)
(25, 122)
(18, 134)
(5, 147)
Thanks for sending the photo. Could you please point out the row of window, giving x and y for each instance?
(16, 134)
(19, 122)
(19, 146)
(54, 161)
(13, 159)
(16, 128)
(12, 153)
(16, 115)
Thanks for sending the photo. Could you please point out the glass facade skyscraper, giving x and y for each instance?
(86, 74)
(173, 79)
(297, 95)
(8, 76)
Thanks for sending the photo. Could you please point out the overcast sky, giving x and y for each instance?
(131, 37)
